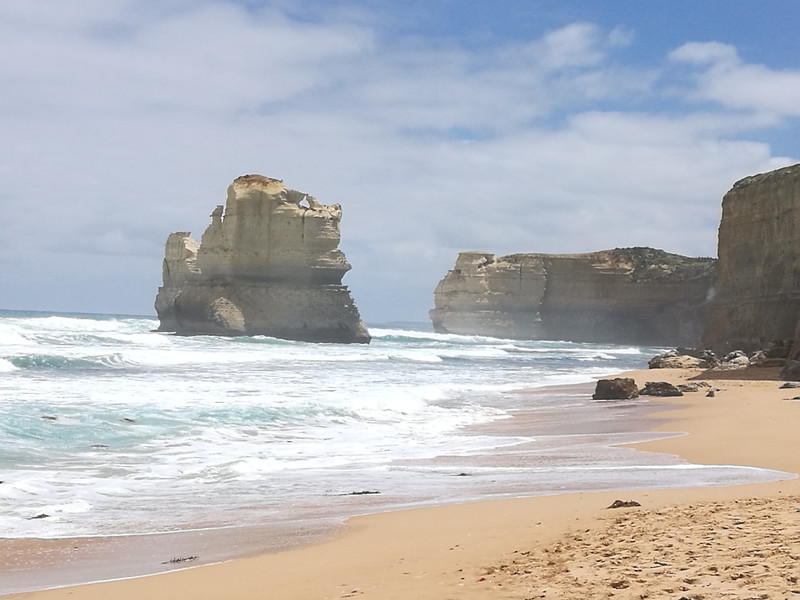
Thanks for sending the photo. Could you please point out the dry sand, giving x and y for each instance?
(724, 542)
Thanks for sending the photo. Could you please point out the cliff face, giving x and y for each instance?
(629, 296)
(757, 296)
(268, 264)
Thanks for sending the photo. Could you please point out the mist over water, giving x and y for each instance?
(108, 428)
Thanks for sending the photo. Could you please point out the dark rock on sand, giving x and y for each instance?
(624, 504)
(688, 387)
(621, 388)
(660, 388)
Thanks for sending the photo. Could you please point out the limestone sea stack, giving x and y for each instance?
(757, 297)
(625, 296)
(268, 264)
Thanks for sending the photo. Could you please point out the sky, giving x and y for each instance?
(503, 126)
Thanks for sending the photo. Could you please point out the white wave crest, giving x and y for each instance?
(12, 336)
(379, 333)
(6, 367)
(74, 324)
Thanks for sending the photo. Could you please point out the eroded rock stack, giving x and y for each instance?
(628, 295)
(268, 264)
(757, 297)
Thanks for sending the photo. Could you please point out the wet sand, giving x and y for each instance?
(557, 546)
(505, 471)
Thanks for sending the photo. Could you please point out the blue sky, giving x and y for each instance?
(506, 126)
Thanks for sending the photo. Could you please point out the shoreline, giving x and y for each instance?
(483, 530)
(55, 563)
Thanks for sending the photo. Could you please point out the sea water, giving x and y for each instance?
(109, 428)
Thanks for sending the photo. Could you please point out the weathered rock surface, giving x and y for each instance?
(757, 296)
(629, 295)
(673, 360)
(620, 388)
(660, 388)
(692, 387)
(268, 264)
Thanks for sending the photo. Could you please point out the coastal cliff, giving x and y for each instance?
(268, 264)
(757, 295)
(625, 295)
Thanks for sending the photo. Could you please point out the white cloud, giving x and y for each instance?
(124, 121)
(704, 53)
(735, 84)
(213, 58)
(576, 45)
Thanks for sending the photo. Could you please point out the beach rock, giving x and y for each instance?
(684, 358)
(763, 359)
(626, 295)
(675, 362)
(268, 264)
(693, 386)
(621, 388)
(790, 385)
(624, 504)
(736, 363)
(703, 353)
(756, 299)
(660, 388)
(768, 362)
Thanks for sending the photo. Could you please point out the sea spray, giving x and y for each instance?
(108, 428)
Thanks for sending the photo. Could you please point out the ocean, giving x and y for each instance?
(108, 428)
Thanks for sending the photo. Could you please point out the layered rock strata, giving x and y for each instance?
(628, 295)
(757, 296)
(268, 264)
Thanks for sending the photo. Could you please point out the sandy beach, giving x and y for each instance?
(712, 542)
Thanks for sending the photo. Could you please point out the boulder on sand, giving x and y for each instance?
(621, 388)
(660, 388)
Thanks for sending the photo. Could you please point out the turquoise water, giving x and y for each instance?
(107, 427)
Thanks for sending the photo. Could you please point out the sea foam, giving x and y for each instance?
(111, 428)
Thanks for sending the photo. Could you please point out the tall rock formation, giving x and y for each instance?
(268, 264)
(757, 296)
(627, 296)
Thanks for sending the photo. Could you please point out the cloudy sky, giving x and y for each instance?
(504, 126)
